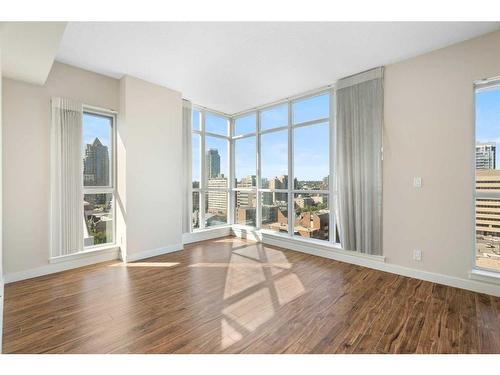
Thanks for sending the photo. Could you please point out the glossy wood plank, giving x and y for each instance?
(235, 296)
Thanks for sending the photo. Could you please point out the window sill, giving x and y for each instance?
(485, 276)
(85, 254)
(212, 228)
(315, 244)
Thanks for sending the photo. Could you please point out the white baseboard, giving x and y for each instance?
(206, 234)
(379, 263)
(49, 268)
(154, 252)
(246, 233)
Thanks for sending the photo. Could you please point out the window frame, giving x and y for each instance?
(478, 86)
(203, 188)
(113, 164)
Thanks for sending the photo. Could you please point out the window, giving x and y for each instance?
(311, 167)
(245, 162)
(487, 193)
(272, 173)
(275, 211)
(196, 161)
(274, 117)
(245, 170)
(196, 120)
(312, 216)
(216, 162)
(245, 208)
(312, 108)
(210, 169)
(98, 179)
(245, 124)
(216, 124)
(274, 160)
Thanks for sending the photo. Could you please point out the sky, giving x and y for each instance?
(96, 127)
(311, 143)
(488, 118)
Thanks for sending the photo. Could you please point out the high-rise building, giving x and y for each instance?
(246, 199)
(212, 163)
(96, 164)
(485, 155)
(278, 182)
(247, 182)
(217, 199)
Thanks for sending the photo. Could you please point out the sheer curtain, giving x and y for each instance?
(66, 177)
(359, 162)
(186, 140)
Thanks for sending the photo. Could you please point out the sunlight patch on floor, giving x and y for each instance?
(229, 334)
(251, 311)
(259, 281)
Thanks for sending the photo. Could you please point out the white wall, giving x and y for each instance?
(150, 133)
(148, 176)
(26, 131)
(429, 130)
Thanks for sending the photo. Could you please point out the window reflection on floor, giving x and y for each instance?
(258, 282)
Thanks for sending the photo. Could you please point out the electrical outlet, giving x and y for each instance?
(417, 255)
(417, 182)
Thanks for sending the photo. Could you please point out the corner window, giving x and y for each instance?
(271, 172)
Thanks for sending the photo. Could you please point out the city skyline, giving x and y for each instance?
(488, 118)
(96, 164)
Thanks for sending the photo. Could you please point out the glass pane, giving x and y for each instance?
(488, 233)
(98, 216)
(312, 216)
(195, 216)
(215, 208)
(245, 156)
(196, 120)
(487, 134)
(312, 108)
(275, 211)
(311, 157)
(195, 161)
(246, 204)
(274, 160)
(245, 124)
(216, 162)
(97, 143)
(216, 124)
(274, 117)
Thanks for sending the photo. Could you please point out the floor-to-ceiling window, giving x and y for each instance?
(98, 178)
(276, 163)
(487, 251)
(210, 170)
(311, 166)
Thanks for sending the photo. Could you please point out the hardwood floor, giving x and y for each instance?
(233, 296)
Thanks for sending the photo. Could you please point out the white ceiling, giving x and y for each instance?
(235, 66)
(29, 49)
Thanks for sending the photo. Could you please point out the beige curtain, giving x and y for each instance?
(359, 162)
(66, 177)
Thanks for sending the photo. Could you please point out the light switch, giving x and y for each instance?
(417, 182)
